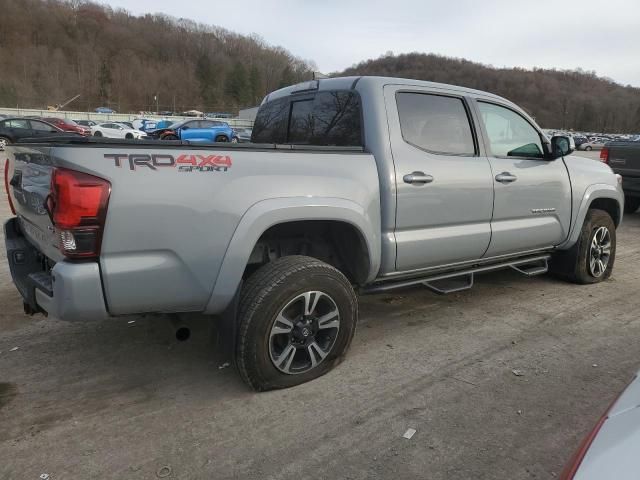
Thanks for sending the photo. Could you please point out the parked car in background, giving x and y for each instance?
(14, 129)
(196, 131)
(242, 134)
(116, 130)
(128, 124)
(592, 145)
(579, 140)
(67, 125)
(610, 450)
(86, 123)
(624, 159)
(104, 110)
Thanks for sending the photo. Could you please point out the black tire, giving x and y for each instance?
(574, 264)
(588, 149)
(631, 204)
(222, 138)
(97, 133)
(169, 137)
(4, 141)
(129, 136)
(268, 293)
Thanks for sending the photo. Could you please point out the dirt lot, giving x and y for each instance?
(122, 400)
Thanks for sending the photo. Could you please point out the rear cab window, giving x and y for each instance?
(324, 118)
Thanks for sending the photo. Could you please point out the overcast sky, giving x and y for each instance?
(335, 34)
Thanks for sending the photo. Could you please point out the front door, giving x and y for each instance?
(532, 206)
(444, 187)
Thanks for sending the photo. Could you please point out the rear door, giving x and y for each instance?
(532, 204)
(192, 131)
(42, 129)
(444, 184)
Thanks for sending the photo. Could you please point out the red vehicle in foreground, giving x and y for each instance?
(68, 125)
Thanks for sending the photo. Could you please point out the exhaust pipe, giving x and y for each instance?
(182, 331)
(183, 334)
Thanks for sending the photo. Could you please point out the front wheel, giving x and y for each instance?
(297, 318)
(169, 137)
(4, 141)
(591, 259)
(588, 149)
(97, 133)
(222, 138)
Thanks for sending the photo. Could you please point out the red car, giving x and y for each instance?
(68, 125)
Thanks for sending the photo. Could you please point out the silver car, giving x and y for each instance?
(597, 144)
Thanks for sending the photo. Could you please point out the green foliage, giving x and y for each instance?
(237, 84)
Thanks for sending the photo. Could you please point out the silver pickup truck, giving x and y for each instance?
(350, 185)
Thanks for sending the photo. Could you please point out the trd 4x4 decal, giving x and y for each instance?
(184, 162)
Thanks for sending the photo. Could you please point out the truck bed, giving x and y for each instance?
(176, 207)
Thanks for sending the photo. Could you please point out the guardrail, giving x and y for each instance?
(110, 117)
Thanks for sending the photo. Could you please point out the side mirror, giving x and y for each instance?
(560, 146)
(184, 128)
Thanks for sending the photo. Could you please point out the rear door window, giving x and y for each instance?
(41, 126)
(435, 123)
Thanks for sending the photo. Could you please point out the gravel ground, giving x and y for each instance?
(122, 400)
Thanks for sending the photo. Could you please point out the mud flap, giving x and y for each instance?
(226, 331)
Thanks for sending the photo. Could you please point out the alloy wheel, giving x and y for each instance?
(599, 252)
(304, 332)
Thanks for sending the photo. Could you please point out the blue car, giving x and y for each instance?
(201, 130)
(105, 110)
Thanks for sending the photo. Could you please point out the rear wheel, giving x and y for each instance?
(4, 141)
(591, 259)
(631, 204)
(222, 138)
(588, 149)
(297, 318)
(169, 137)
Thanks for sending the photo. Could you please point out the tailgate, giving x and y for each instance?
(624, 158)
(29, 184)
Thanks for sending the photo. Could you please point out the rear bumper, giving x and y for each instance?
(69, 291)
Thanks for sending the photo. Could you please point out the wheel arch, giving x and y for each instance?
(601, 196)
(265, 216)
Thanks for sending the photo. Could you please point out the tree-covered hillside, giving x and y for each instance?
(557, 99)
(51, 50)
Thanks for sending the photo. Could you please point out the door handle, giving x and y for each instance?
(417, 178)
(506, 177)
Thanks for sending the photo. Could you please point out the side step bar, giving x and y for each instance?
(459, 280)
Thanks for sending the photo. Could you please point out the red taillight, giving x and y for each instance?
(6, 186)
(78, 207)
(604, 155)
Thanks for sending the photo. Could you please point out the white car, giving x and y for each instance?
(116, 130)
(610, 450)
